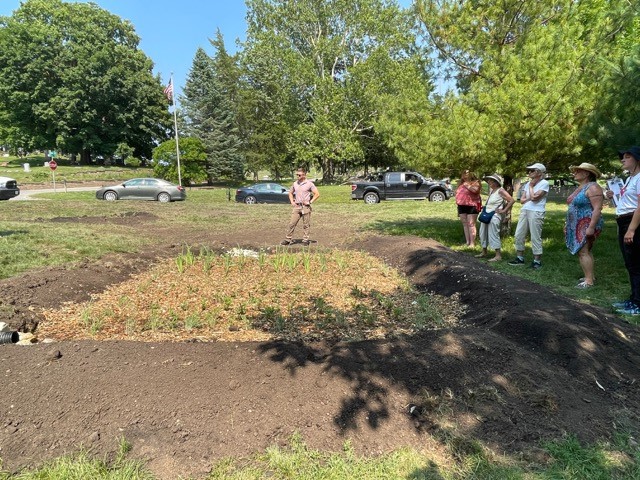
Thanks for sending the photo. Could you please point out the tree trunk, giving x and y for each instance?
(505, 228)
(85, 157)
(328, 170)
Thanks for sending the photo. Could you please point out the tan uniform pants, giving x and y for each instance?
(299, 212)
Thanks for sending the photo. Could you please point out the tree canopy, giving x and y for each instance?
(193, 160)
(529, 74)
(326, 67)
(339, 85)
(74, 78)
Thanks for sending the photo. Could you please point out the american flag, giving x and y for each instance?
(168, 90)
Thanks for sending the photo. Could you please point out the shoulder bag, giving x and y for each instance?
(485, 217)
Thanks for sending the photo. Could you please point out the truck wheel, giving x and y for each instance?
(371, 198)
(437, 196)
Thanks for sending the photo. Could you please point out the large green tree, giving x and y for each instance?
(74, 78)
(267, 113)
(195, 93)
(209, 111)
(616, 122)
(528, 74)
(193, 160)
(327, 67)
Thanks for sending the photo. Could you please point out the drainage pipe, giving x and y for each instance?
(9, 337)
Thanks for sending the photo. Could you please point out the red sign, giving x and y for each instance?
(53, 165)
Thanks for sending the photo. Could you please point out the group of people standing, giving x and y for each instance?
(469, 203)
(492, 214)
(583, 220)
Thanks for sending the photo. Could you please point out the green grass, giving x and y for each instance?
(566, 459)
(66, 171)
(82, 466)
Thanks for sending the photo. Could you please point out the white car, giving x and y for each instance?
(8, 188)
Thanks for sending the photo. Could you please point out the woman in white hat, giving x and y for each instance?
(584, 218)
(498, 203)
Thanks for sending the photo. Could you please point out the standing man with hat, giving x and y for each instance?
(533, 197)
(584, 220)
(500, 202)
(628, 220)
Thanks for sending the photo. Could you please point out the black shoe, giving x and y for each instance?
(517, 261)
(536, 265)
(286, 242)
(306, 242)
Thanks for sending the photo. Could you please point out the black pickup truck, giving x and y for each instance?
(399, 186)
(8, 188)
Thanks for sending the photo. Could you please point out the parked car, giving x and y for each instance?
(560, 187)
(143, 189)
(399, 186)
(8, 188)
(263, 193)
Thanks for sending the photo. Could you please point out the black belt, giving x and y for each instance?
(625, 215)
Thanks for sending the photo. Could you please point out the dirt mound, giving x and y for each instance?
(526, 365)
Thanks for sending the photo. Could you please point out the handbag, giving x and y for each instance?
(485, 217)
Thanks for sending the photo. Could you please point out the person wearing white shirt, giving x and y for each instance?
(628, 220)
(533, 197)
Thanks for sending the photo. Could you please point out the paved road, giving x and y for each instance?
(28, 194)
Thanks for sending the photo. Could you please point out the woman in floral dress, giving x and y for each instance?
(584, 219)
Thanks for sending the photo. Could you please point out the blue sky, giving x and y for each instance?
(171, 31)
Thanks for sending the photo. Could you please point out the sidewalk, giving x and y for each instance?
(28, 193)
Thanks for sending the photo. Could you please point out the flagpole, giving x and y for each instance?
(175, 124)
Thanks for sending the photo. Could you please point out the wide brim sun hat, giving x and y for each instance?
(587, 167)
(494, 177)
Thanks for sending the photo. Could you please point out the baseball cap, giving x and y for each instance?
(537, 166)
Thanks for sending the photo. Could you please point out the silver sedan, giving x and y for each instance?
(143, 189)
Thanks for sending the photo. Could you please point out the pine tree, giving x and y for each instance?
(196, 90)
(209, 116)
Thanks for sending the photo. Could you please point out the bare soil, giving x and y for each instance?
(522, 366)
